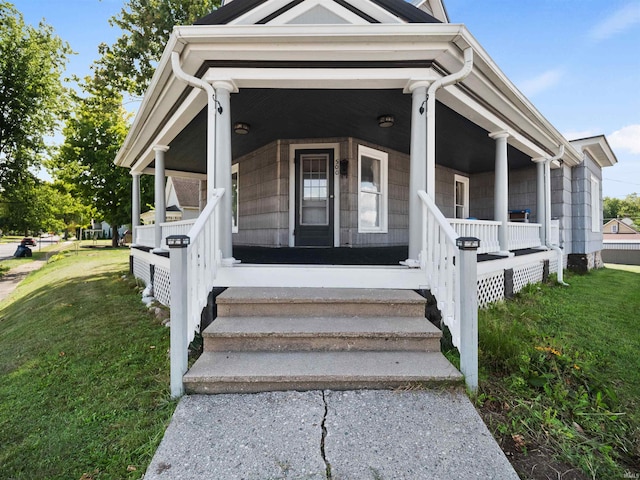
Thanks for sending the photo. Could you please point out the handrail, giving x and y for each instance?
(438, 261)
(202, 262)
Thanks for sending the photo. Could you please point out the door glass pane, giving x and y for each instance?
(314, 199)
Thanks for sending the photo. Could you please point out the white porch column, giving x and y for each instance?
(223, 165)
(541, 204)
(159, 194)
(135, 201)
(418, 165)
(501, 189)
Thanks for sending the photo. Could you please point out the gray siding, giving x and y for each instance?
(584, 240)
(561, 205)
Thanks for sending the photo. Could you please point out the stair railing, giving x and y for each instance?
(203, 260)
(438, 261)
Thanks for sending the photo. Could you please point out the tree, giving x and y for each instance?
(93, 134)
(629, 207)
(32, 97)
(129, 63)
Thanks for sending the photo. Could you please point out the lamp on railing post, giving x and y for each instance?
(178, 337)
(468, 247)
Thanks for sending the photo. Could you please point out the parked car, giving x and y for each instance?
(28, 241)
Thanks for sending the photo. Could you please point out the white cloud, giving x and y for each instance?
(620, 20)
(627, 139)
(541, 82)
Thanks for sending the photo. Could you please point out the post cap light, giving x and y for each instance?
(178, 241)
(468, 243)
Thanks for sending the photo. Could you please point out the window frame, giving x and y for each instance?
(465, 205)
(596, 208)
(383, 158)
(235, 169)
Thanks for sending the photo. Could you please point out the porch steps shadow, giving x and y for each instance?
(268, 339)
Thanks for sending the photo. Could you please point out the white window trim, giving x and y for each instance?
(235, 168)
(464, 180)
(384, 187)
(596, 209)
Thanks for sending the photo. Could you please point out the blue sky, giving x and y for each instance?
(578, 61)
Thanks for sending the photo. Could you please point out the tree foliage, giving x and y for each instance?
(93, 134)
(129, 63)
(32, 97)
(628, 206)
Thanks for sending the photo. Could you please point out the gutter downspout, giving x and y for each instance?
(431, 116)
(211, 116)
(547, 223)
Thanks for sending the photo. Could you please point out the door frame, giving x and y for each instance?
(336, 187)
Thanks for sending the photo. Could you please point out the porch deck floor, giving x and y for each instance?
(321, 256)
(337, 255)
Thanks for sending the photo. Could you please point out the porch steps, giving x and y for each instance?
(267, 339)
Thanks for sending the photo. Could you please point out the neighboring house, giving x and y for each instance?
(621, 242)
(182, 195)
(359, 124)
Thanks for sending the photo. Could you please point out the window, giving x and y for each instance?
(234, 198)
(614, 228)
(461, 196)
(372, 190)
(596, 210)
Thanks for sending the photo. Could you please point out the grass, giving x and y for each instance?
(83, 373)
(560, 375)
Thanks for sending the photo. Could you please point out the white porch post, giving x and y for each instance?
(418, 165)
(135, 201)
(501, 189)
(159, 193)
(541, 204)
(223, 164)
(469, 310)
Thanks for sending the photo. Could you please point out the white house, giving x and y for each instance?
(182, 198)
(354, 126)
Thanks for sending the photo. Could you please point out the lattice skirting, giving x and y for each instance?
(162, 286)
(490, 288)
(141, 270)
(525, 275)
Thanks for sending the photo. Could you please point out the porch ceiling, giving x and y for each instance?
(316, 114)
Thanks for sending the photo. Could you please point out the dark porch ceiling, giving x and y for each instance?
(315, 114)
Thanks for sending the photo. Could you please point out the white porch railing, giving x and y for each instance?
(437, 260)
(144, 235)
(523, 235)
(485, 230)
(203, 260)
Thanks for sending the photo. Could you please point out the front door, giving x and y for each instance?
(314, 198)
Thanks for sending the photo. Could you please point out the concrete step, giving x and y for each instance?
(321, 334)
(319, 302)
(247, 372)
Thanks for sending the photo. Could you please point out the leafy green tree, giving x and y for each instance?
(28, 206)
(628, 206)
(129, 63)
(32, 97)
(93, 135)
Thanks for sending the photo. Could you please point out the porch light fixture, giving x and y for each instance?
(468, 243)
(241, 128)
(386, 121)
(178, 241)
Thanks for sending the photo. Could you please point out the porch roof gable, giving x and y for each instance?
(234, 11)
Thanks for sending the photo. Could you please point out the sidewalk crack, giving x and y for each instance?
(324, 435)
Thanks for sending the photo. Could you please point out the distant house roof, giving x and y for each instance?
(187, 189)
(618, 230)
(232, 10)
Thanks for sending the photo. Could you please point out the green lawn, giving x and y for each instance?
(561, 373)
(83, 373)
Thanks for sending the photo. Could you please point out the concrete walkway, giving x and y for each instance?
(10, 280)
(349, 435)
